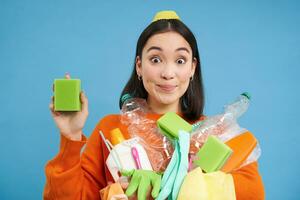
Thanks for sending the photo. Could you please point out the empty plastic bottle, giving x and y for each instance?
(133, 109)
(220, 124)
(239, 107)
(157, 146)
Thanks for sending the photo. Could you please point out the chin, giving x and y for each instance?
(167, 99)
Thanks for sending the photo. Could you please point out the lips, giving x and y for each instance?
(167, 88)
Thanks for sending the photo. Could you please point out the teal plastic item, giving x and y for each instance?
(125, 97)
(170, 124)
(247, 94)
(184, 144)
(177, 168)
(169, 176)
(213, 155)
(67, 95)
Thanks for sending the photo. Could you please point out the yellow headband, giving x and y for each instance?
(166, 14)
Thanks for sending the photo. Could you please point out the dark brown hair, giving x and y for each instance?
(192, 102)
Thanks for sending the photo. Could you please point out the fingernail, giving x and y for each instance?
(67, 75)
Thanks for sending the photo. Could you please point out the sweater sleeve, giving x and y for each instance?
(73, 176)
(248, 183)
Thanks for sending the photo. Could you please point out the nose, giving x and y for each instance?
(168, 72)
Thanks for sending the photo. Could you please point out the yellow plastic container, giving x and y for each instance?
(116, 136)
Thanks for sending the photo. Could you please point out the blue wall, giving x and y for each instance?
(249, 46)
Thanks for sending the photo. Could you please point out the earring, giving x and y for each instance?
(139, 77)
(192, 78)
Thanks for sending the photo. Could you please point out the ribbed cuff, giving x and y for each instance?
(69, 153)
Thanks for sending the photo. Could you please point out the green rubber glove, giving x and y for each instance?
(140, 181)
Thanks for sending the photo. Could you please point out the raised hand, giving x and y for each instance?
(71, 123)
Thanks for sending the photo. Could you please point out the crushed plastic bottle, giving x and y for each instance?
(133, 109)
(134, 115)
(224, 125)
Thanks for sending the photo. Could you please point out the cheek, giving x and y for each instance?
(150, 74)
(184, 76)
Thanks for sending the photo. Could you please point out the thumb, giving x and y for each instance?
(127, 172)
(84, 101)
(133, 185)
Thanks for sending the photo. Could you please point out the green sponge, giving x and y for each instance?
(213, 155)
(170, 123)
(67, 95)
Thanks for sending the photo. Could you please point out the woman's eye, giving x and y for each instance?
(180, 61)
(155, 60)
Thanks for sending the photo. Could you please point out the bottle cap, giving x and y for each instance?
(246, 94)
(125, 97)
(116, 136)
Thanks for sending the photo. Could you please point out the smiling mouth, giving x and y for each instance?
(167, 88)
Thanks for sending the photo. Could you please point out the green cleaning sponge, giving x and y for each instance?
(170, 123)
(213, 155)
(67, 95)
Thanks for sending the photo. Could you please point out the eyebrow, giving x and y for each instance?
(160, 49)
(183, 49)
(154, 48)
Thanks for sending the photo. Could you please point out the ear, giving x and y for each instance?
(194, 65)
(138, 65)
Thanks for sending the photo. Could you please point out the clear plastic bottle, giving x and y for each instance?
(239, 107)
(223, 125)
(133, 109)
(134, 115)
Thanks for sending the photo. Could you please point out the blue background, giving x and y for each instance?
(249, 46)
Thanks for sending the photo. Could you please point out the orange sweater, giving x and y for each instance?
(71, 176)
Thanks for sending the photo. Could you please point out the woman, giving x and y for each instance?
(167, 74)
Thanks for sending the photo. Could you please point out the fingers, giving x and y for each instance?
(51, 107)
(84, 103)
(124, 185)
(133, 185)
(127, 172)
(67, 75)
(156, 186)
(83, 99)
(109, 182)
(143, 188)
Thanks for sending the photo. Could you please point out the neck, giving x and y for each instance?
(159, 108)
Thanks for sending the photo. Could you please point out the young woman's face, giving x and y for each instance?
(166, 68)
